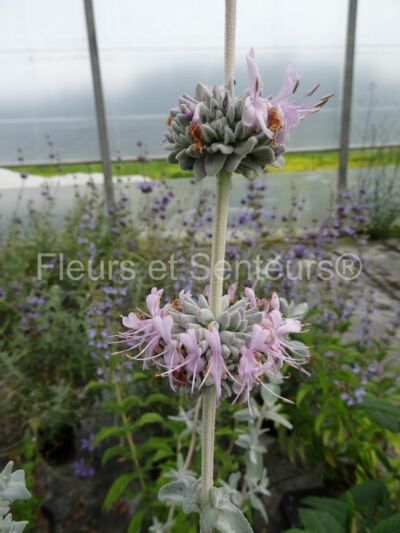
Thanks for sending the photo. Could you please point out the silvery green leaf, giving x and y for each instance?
(279, 162)
(186, 163)
(193, 153)
(242, 415)
(245, 147)
(214, 163)
(204, 316)
(245, 171)
(183, 493)
(224, 320)
(208, 133)
(235, 320)
(231, 520)
(252, 164)
(227, 337)
(225, 302)
(299, 349)
(230, 115)
(202, 302)
(8, 526)
(268, 397)
(223, 148)
(244, 441)
(12, 485)
(229, 137)
(159, 527)
(225, 351)
(257, 504)
(199, 169)
(234, 479)
(263, 154)
(240, 131)
(172, 156)
(208, 518)
(190, 502)
(189, 307)
(274, 415)
(232, 162)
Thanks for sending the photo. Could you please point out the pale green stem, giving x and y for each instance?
(216, 285)
(217, 269)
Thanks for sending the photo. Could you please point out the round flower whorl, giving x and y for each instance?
(207, 135)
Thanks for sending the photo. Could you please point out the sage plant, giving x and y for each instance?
(12, 488)
(218, 345)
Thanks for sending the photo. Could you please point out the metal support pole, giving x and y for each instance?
(347, 95)
(99, 101)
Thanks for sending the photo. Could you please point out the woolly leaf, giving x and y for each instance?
(246, 146)
(232, 520)
(214, 163)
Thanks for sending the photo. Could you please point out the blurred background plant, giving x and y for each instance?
(61, 384)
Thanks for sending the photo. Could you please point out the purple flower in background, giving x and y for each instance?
(81, 469)
(87, 443)
(146, 186)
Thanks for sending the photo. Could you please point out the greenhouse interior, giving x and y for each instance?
(199, 266)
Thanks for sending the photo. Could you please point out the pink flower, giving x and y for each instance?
(291, 114)
(250, 365)
(249, 293)
(172, 358)
(194, 362)
(153, 301)
(232, 289)
(279, 344)
(276, 116)
(255, 109)
(216, 364)
(143, 334)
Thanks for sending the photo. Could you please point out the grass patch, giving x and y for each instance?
(160, 169)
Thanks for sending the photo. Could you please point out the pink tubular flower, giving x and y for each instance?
(250, 365)
(153, 301)
(249, 293)
(142, 332)
(276, 116)
(194, 362)
(216, 364)
(172, 358)
(290, 114)
(279, 343)
(232, 289)
(255, 109)
(183, 341)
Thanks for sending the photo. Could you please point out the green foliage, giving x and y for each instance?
(365, 508)
(382, 413)
(341, 436)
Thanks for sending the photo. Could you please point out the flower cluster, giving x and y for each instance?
(215, 132)
(248, 341)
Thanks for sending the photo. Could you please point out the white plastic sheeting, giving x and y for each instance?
(152, 51)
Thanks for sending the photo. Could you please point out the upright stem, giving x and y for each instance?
(230, 32)
(217, 268)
